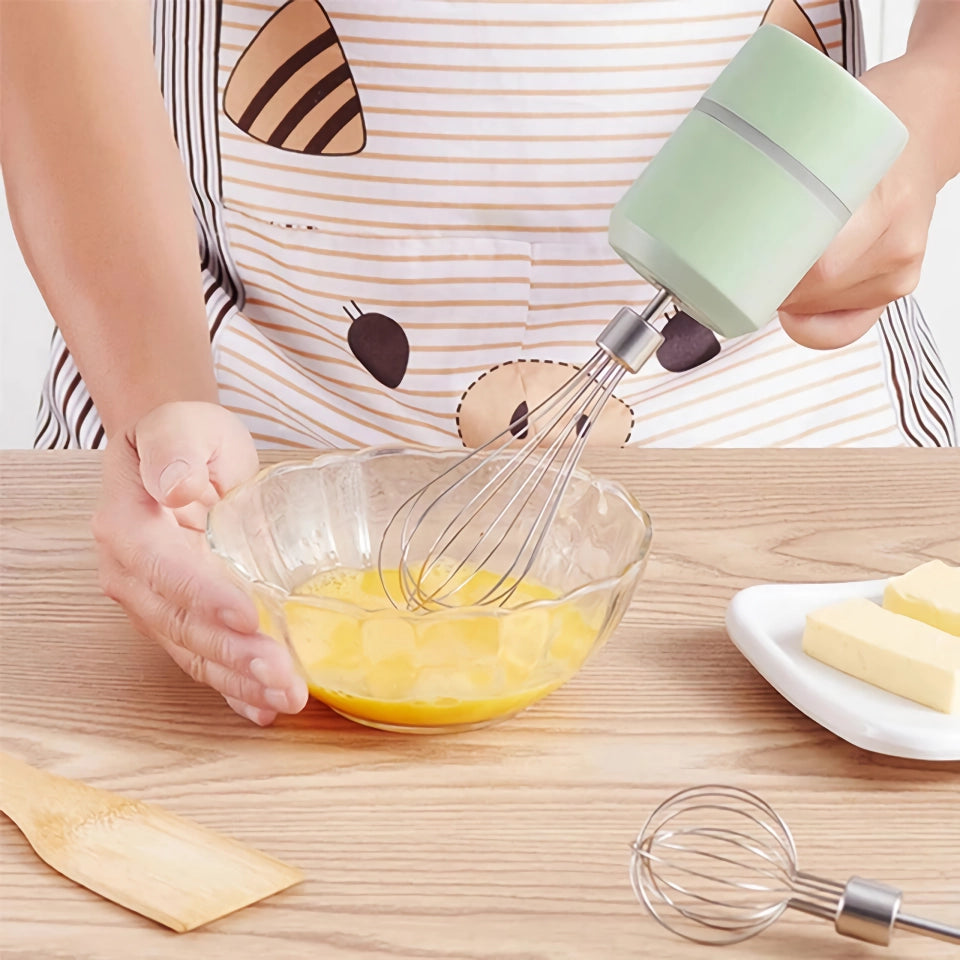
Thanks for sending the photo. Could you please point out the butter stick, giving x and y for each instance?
(899, 654)
(930, 593)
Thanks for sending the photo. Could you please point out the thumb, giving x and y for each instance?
(192, 452)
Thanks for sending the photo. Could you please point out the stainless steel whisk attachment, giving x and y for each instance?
(493, 508)
(717, 865)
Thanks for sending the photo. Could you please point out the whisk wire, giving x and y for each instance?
(592, 394)
(504, 472)
(626, 343)
(815, 895)
(782, 873)
(703, 898)
(718, 914)
(652, 860)
(530, 483)
(408, 509)
(723, 917)
(559, 487)
(779, 833)
(671, 858)
(692, 873)
(731, 923)
(775, 858)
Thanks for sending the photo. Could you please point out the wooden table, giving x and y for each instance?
(510, 843)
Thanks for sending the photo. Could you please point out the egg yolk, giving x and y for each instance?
(450, 669)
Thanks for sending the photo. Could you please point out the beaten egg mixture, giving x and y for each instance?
(446, 669)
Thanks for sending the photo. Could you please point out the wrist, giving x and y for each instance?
(133, 361)
(120, 414)
(938, 115)
(924, 92)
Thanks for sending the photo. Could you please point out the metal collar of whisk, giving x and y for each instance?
(630, 337)
(861, 909)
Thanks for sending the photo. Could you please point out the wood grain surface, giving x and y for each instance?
(510, 843)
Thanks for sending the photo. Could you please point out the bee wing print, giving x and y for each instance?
(293, 89)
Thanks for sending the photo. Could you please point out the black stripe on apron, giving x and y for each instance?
(922, 402)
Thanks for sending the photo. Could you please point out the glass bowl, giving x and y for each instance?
(303, 538)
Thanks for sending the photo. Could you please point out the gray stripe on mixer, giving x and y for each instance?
(790, 164)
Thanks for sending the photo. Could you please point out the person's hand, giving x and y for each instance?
(159, 480)
(877, 256)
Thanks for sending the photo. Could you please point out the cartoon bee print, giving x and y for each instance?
(293, 89)
(503, 397)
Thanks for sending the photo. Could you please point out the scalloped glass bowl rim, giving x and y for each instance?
(327, 457)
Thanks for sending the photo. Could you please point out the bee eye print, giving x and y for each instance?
(518, 422)
(790, 15)
(380, 344)
(686, 344)
(292, 87)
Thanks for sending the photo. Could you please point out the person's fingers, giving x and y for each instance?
(846, 252)
(872, 293)
(889, 270)
(236, 686)
(201, 633)
(828, 331)
(150, 545)
(877, 256)
(259, 716)
(254, 670)
(194, 515)
(193, 452)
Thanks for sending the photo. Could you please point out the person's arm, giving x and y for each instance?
(99, 201)
(933, 59)
(877, 256)
(101, 208)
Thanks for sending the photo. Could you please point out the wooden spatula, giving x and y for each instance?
(135, 854)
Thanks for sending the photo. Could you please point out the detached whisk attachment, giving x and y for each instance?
(717, 865)
(492, 510)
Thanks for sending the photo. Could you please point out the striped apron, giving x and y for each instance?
(402, 212)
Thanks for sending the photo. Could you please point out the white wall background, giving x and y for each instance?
(25, 324)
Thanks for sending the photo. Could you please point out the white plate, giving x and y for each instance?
(766, 623)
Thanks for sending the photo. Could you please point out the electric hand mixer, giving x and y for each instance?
(738, 204)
